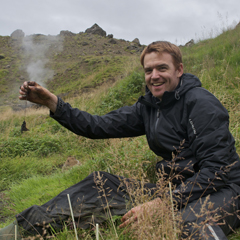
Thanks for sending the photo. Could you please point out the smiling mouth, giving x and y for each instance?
(157, 84)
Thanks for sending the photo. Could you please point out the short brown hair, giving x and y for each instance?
(163, 46)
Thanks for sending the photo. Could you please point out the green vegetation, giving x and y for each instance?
(89, 72)
(124, 93)
(3, 73)
(31, 162)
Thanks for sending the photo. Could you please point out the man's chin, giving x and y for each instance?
(157, 95)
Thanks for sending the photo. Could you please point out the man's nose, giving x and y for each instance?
(155, 74)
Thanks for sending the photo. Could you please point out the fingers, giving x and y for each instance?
(27, 85)
(25, 89)
(137, 213)
(32, 83)
(124, 224)
(127, 215)
(129, 221)
(23, 93)
(128, 218)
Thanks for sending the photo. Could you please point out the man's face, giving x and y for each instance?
(160, 73)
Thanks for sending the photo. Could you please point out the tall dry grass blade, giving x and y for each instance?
(99, 182)
(70, 205)
(97, 232)
(174, 224)
(15, 232)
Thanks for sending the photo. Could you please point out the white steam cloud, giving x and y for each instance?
(38, 73)
(36, 49)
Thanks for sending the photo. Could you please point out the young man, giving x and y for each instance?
(175, 111)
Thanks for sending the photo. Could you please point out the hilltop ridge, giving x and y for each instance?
(55, 60)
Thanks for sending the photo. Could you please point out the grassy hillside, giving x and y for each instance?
(98, 76)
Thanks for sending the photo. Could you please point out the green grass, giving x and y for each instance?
(124, 93)
(88, 72)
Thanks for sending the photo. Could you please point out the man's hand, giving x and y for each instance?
(136, 212)
(35, 93)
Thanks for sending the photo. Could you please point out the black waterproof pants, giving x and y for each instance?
(91, 200)
(101, 192)
(224, 205)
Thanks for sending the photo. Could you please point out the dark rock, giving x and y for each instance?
(67, 33)
(2, 56)
(95, 29)
(39, 35)
(190, 43)
(135, 48)
(112, 41)
(85, 43)
(132, 48)
(17, 34)
(136, 40)
(110, 36)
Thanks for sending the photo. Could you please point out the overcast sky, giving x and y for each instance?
(177, 21)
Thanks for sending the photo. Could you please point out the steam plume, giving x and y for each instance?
(36, 49)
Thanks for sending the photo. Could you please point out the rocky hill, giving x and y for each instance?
(63, 63)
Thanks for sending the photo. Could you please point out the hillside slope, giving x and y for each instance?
(97, 74)
(66, 63)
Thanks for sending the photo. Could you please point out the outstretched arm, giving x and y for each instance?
(124, 122)
(35, 93)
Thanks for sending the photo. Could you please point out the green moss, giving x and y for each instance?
(3, 73)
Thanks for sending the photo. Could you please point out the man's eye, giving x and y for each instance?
(162, 68)
(147, 71)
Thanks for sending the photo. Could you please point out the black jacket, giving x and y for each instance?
(188, 128)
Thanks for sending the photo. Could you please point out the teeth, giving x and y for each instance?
(157, 84)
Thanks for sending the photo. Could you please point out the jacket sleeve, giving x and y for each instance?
(124, 122)
(212, 146)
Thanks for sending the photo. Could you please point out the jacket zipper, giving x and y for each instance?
(156, 124)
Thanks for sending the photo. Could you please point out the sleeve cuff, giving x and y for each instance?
(58, 109)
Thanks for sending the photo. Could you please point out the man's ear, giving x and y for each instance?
(180, 70)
